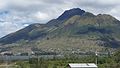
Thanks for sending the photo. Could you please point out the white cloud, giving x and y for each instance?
(41, 16)
(3, 4)
(115, 12)
(21, 13)
(8, 27)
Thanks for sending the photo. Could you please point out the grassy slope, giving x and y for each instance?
(84, 33)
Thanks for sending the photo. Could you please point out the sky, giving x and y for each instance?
(17, 14)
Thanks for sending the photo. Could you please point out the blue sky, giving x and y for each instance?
(16, 14)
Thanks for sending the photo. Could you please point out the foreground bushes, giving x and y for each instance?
(110, 61)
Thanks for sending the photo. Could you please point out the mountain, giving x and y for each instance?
(22, 34)
(69, 13)
(75, 29)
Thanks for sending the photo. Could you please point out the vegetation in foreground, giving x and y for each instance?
(110, 61)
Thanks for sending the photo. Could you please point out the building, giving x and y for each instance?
(82, 65)
(7, 53)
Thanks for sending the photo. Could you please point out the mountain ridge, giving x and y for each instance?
(82, 29)
(69, 13)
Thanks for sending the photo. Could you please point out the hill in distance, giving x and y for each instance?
(74, 30)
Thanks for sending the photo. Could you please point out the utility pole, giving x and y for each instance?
(6, 61)
(96, 55)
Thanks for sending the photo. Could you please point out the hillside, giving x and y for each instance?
(74, 30)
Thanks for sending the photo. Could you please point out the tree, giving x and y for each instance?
(117, 56)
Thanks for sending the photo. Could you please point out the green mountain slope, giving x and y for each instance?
(74, 29)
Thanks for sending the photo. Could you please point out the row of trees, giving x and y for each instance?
(110, 61)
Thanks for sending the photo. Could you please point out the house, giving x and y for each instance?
(8, 53)
(82, 65)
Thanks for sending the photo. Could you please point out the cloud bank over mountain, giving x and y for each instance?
(16, 14)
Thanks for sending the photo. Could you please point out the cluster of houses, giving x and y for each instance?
(8, 53)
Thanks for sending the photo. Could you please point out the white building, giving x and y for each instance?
(82, 65)
(6, 53)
